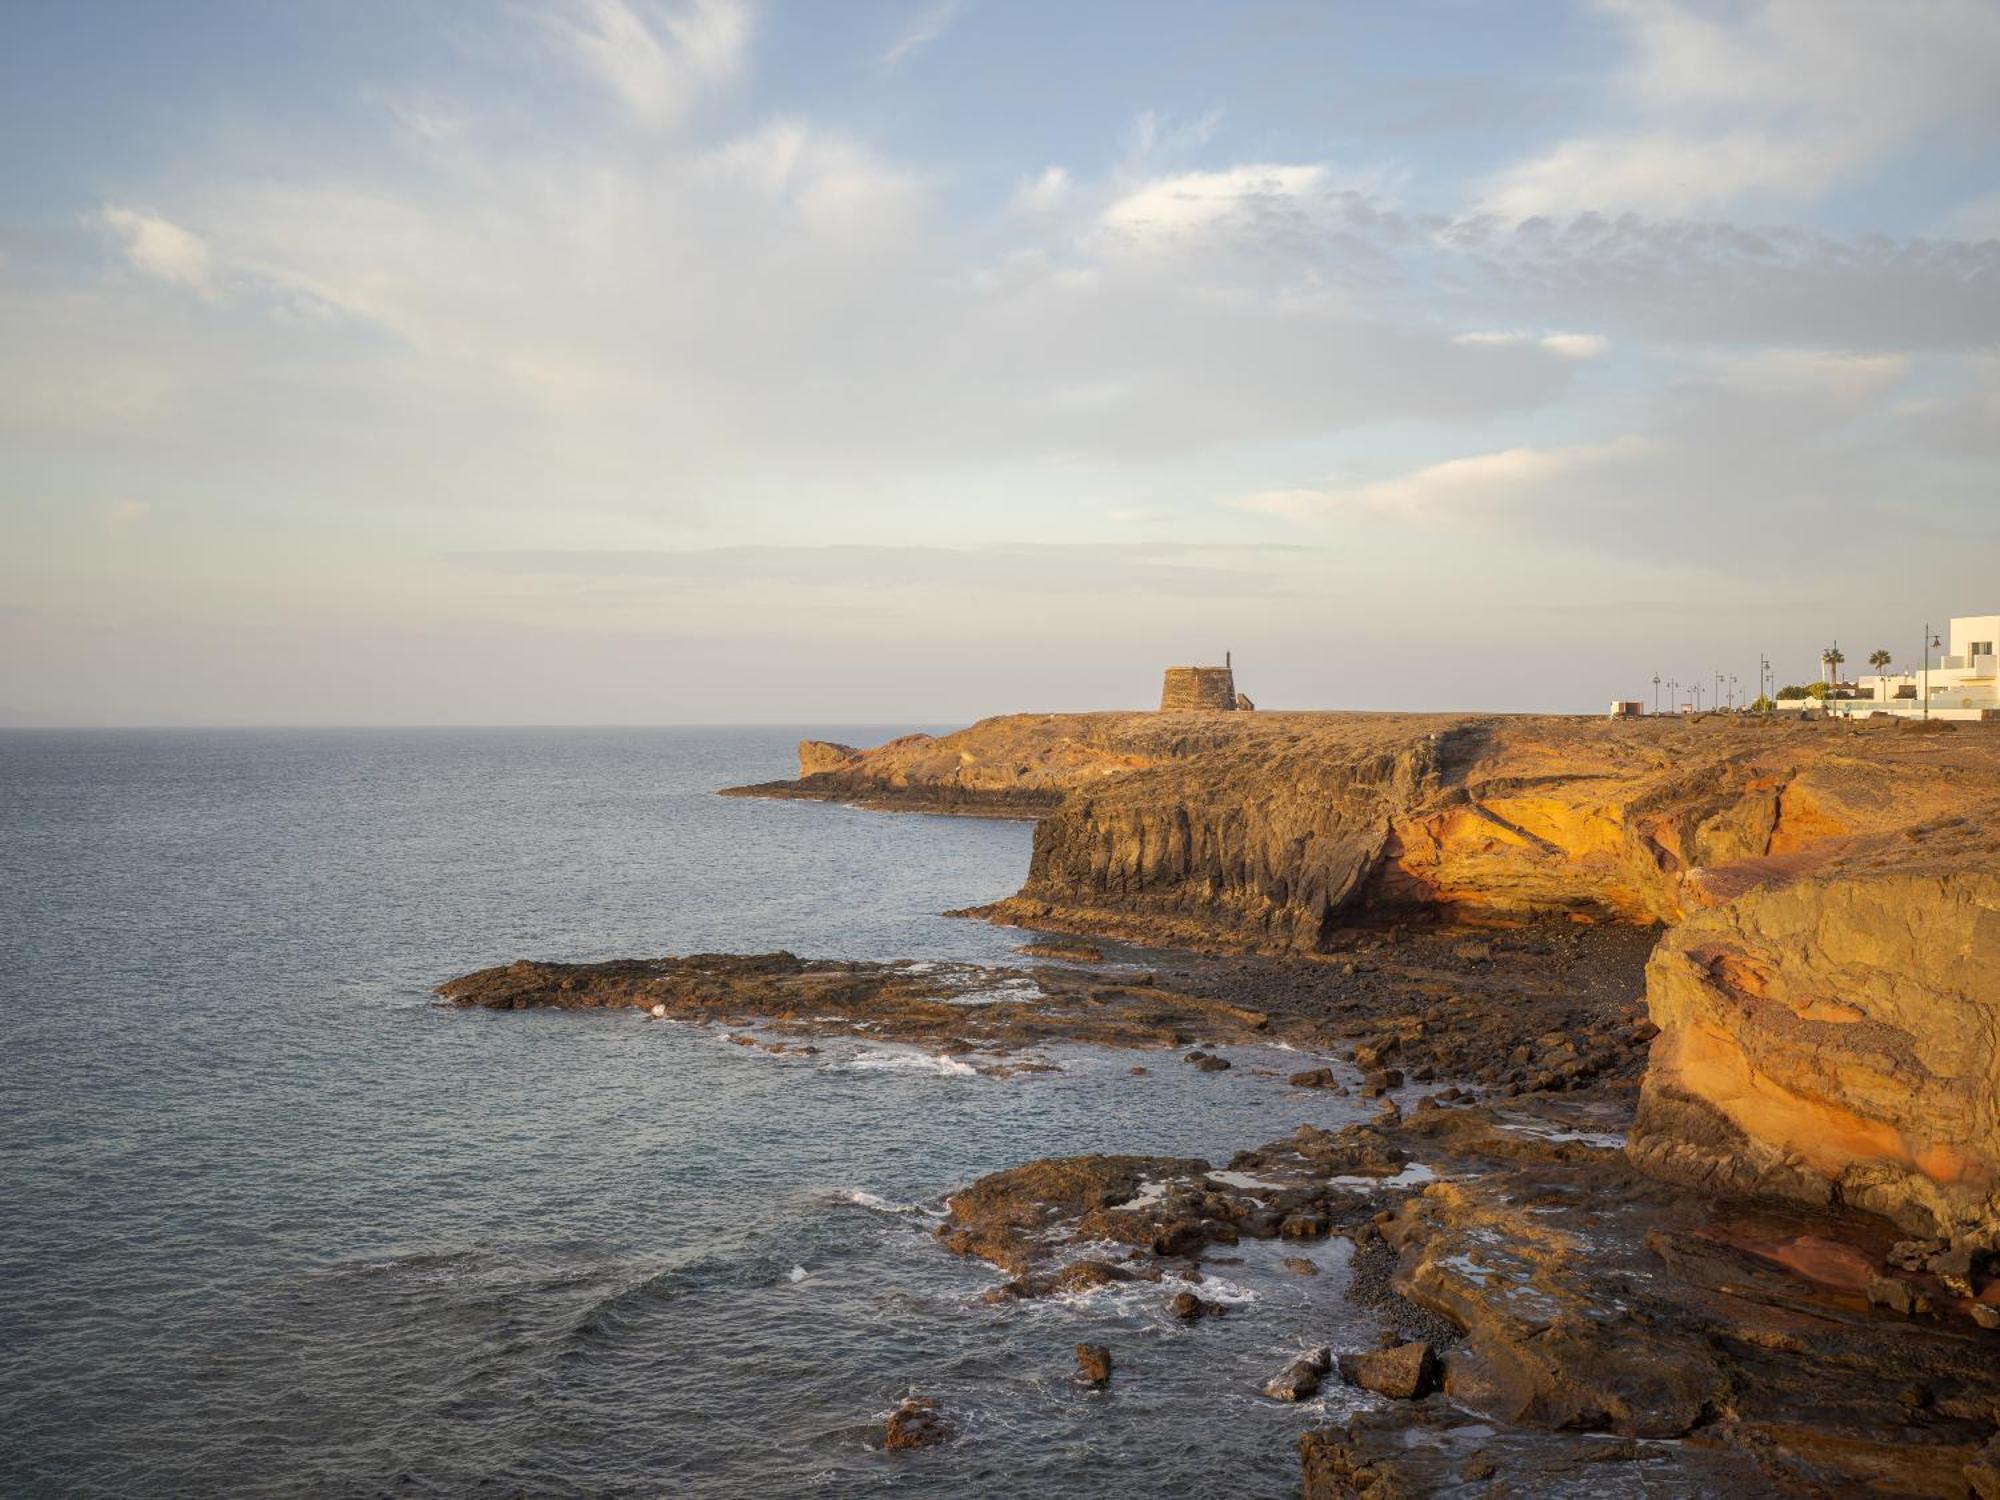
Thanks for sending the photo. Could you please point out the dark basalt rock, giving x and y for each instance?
(917, 1423)
(1093, 1365)
(1189, 1308)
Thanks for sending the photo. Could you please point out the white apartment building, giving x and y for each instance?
(1962, 682)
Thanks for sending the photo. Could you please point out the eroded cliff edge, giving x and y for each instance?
(1828, 984)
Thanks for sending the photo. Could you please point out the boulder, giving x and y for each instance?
(1299, 1380)
(1403, 1373)
(1093, 1365)
(916, 1423)
(1189, 1308)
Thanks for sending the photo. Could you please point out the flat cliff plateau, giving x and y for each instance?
(1828, 984)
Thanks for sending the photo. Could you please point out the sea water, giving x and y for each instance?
(272, 1222)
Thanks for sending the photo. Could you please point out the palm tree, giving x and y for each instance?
(1832, 658)
(1879, 659)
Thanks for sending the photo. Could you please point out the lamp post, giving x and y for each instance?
(1764, 676)
(1656, 695)
(1717, 699)
(1929, 642)
(1673, 695)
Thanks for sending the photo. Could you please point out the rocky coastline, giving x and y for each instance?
(1691, 1187)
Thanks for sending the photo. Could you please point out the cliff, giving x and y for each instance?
(1828, 984)
(1298, 822)
(1017, 765)
(1828, 1033)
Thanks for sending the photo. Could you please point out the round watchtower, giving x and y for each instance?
(1198, 690)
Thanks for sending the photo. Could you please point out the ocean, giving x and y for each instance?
(272, 1222)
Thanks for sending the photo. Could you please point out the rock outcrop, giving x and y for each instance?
(1827, 991)
(1834, 1035)
(1016, 766)
(960, 1008)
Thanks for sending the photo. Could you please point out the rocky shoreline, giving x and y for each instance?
(1691, 1187)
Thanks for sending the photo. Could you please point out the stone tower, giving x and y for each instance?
(1198, 689)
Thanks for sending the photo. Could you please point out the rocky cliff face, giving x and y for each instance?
(1275, 836)
(1831, 1032)
(1018, 765)
(1828, 986)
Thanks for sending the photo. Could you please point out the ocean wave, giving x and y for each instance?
(921, 1062)
(875, 1202)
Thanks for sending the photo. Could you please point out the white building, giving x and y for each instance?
(1962, 682)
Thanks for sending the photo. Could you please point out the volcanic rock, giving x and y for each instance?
(1404, 1372)
(1093, 1365)
(916, 1423)
(1300, 1380)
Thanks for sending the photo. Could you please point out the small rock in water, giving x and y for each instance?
(916, 1423)
(1304, 1265)
(1208, 1062)
(1299, 1380)
(1188, 1307)
(1093, 1365)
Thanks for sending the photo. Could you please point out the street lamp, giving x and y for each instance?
(1931, 641)
(1673, 695)
(1656, 695)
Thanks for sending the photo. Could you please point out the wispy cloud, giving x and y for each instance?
(1782, 99)
(925, 26)
(159, 247)
(1448, 489)
(654, 56)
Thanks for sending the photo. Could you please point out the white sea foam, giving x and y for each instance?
(797, 1274)
(875, 1202)
(922, 1062)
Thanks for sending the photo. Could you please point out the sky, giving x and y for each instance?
(907, 361)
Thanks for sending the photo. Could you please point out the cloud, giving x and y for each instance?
(1663, 174)
(924, 27)
(1044, 194)
(1742, 463)
(1568, 345)
(1576, 345)
(1170, 208)
(656, 58)
(1480, 482)
(161, 248)
(1777, 98)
